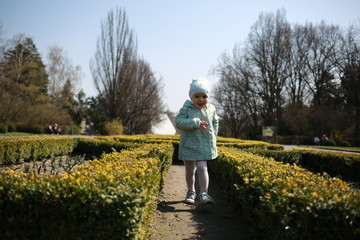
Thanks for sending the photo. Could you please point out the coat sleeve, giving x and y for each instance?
(184, 123)
(216, 123)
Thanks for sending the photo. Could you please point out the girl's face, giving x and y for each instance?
(199, 100)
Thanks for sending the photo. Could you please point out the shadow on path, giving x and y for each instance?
(177, 220)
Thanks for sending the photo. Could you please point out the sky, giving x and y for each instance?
(181, 40)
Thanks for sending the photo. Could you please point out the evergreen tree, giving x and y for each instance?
(23, 80)
(80, 109)
(24, 66)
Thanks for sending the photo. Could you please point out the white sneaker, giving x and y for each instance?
(204, 199)
(190, 197)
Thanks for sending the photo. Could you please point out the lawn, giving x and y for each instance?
(14, 134)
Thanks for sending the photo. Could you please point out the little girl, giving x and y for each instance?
(198, 124)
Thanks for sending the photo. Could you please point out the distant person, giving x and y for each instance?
(56, 129)
(50, 129)
(316, 141)
(198, 124)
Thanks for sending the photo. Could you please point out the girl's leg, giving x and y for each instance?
(203, 175)
(190, 175)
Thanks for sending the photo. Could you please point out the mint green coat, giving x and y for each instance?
(197, 144)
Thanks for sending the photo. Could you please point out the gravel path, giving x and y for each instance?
(176, 220)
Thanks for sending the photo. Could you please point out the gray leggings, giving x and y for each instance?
(201, 167)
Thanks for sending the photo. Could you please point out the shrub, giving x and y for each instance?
(288, 156)
(30, 128)
(93, 148)
(114, 128)
(76, 130)
(3, 128)
(283, 201)
(11, 127)
(344, 165)
(243, 144)
(70, 130)
(110, 198)
(37, 129)
(18, 150)
(345, 143)
(330, 142)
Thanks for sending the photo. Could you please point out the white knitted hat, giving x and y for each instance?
(199, 85)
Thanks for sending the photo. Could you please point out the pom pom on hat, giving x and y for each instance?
(199, 85)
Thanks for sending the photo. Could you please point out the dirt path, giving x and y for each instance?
(176, 220)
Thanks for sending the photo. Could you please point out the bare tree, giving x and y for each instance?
(128, 89)
(348, 64)
(253, 82)
(268, 53)
(322, 40)
(61, 72)
(145, 101)
(296, 82)
(304, 79)
(322, 83)
(2, 40)
(235, 96)
(111, 66)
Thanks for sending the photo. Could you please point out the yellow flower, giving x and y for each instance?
(246, 180)
(18, 196)
(284, 191)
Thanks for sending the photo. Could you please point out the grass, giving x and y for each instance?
(15, 134)
(24, 134)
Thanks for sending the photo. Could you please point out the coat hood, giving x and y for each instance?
(189, 103)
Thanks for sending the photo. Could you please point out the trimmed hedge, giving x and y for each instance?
(284, 156)
(93, 148)
(283, 201)
(114, 197)
(343, 165)
(148, 138)
(221, 141)
(251, 145)
(244, 144)
(111, 198)
(19, 149)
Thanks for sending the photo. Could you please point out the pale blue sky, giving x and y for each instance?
(180, 39)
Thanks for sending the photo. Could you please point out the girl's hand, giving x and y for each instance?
(203, 125)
